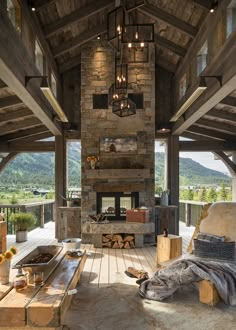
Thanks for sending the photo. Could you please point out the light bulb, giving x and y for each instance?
(136, 35)
(121, 105)
(141, 44)
(119, 29)
(129, 44)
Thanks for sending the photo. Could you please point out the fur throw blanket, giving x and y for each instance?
(184, 271)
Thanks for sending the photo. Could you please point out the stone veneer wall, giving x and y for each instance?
(97, 74)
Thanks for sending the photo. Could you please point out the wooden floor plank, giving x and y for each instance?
(96, 268)
(113, 269)
(104, 276)
(151, 266)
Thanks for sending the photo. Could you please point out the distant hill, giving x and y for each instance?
(38, 170)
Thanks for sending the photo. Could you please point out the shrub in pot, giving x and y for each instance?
(22, 222)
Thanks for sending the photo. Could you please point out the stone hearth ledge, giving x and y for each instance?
(118, 227)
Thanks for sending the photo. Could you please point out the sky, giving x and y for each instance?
(204, 158)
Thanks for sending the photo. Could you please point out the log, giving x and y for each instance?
(128, 238)
(115, 245)
(117, 237)
(108, 244)
(208, 293)
(109, 236)
(127, 245)
(105, 239)
(121, 244)
(131, 244)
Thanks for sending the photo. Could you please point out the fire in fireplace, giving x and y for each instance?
(114, 205)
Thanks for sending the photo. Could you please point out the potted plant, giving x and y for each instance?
(22, 221)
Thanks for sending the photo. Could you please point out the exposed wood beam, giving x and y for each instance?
(175, 48)
(221, 114)
(15, 126)
(205, 4)
(40, 4)
(79, 40)
(194, 136)
(159, 14)
(207, 145)
(71, 63)
(32, 19)
(209, 133)
(13, 115)
(24, 133)
(76, 16)
(214, 93)
(7, 159)
(15, 67)
(224, 127)
(2, 84)
(162, 62)
(227, 161)
(36, 137)
(229, 100)
(9, 101)
(42, 146)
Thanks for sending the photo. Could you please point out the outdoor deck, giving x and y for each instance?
(103, 266)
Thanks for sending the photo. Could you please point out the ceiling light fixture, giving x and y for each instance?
(124, 107)
(214, 4)
(45, 88)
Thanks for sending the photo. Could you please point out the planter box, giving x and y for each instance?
(137, 215)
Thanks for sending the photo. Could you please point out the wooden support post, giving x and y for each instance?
(173, 172)
(60, 178)
(42, 216)
(188, 214)
(3, 236)
(208, 293)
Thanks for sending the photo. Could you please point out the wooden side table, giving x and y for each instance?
(168, 247)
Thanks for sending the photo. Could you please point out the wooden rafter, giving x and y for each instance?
(17, 114)
(76, 16)
(2, 84)
(36, 137)
(21, 134)
(71, 63)
(224, 127)
(159, 14)
(79, 40)
(205, 4)
(207, 132)
(40, 4)
(227, 161)
(7, 159)
(229, 100)
(173, 47)
(9, 101)
(162, 62)
(226, 115)
(15, 126)
(16, 66)
(197, 137)
(207, 145)
(39, 146)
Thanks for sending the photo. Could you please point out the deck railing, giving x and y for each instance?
(190, 211)
(43, 211)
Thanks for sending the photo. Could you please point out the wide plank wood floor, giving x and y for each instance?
(103, 266)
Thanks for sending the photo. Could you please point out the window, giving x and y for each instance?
(39, 57)
(231, 18)
(202, 58)
(14, 13)
(182, 86)
(53, 84)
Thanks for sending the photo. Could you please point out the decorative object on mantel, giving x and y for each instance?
(92, 161)
(165, 198)
(5, 263)
(99, 218)
(137, 215)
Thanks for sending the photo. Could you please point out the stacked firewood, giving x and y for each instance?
(118, 241)
(98, 218)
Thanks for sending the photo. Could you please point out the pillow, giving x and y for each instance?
(210, 237)
(214, 250)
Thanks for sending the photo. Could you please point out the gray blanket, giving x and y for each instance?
(189, 270)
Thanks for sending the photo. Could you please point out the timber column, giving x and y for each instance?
(60, 178)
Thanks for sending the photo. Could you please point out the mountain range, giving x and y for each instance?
(37, 169)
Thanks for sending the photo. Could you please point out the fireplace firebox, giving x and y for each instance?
(114, 205)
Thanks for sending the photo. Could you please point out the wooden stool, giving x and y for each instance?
(168, 247)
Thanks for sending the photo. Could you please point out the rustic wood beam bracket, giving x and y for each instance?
(219, 78)
(28, 78)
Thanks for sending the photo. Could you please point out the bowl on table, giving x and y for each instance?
(71, 243)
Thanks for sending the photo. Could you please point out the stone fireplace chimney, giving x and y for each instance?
(116, 172)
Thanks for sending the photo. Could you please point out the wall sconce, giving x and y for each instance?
(121, 75)
(163, 128)
(124, 107)
(45, 88)
(189, 101)
(132, 4)
(138, 33)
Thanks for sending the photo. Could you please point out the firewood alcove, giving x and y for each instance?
(118, 241)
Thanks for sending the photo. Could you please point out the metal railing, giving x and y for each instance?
(190, 211)
(44, 212)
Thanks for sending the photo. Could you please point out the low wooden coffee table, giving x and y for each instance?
(44, 306)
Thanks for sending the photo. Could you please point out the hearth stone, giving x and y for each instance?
(95, 231)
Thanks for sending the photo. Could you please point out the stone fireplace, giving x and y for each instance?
(124, 174)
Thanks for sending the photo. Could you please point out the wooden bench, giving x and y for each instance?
(44, 306)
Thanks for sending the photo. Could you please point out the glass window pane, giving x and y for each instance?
(202, 58)
(108, 206)
(14, 13)
(38, 57)
(125, 204)
(182, 86)
(53, 84)
(231, 18)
